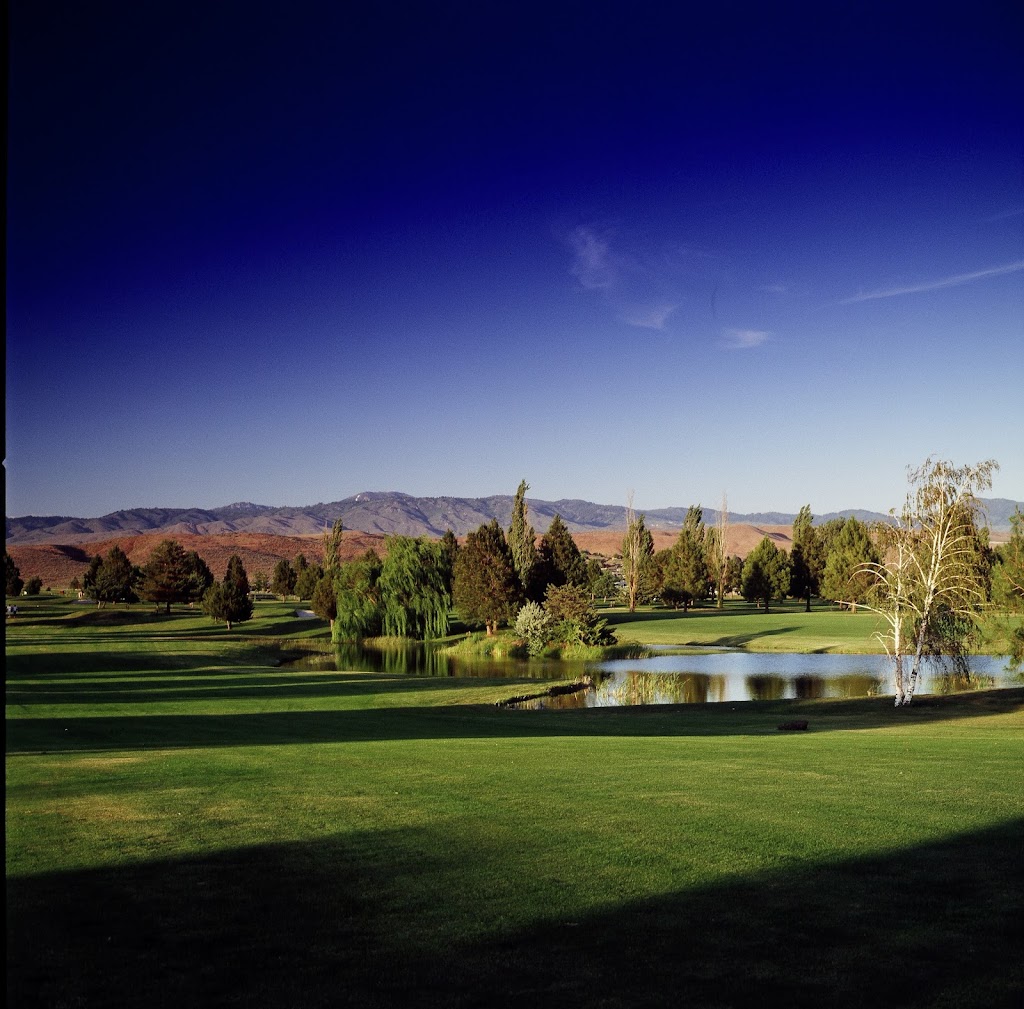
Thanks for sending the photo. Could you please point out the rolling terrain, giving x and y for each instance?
(59, 548)
(58, 564)
(393, 513)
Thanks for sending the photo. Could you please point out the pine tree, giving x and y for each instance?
(173, 576)
(111, 579)
(282, 582)
(560, 559)
(487, 588)
(847, 577)
(229, 600)
(765, 573)
(805, 569)
(14, 580)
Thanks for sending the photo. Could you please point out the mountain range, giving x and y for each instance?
(387, 512)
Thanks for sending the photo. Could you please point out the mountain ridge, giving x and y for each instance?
(397, 513)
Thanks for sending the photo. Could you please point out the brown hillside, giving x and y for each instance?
(57, 565)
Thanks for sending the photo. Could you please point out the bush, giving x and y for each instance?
(533, 625)
(33, 586)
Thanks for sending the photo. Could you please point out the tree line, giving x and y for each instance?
(927, 573)
(833, 561)
(491, 581)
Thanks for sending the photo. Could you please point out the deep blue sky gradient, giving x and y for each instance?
(287, 253)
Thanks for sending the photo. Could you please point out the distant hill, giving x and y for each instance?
(386, 512)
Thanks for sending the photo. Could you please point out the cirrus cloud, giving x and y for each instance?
(744, 339)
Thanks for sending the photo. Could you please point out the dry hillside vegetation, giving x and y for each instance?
(59, 564)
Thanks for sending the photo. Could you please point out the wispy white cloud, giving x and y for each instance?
(649, 318)
(1004, 216)
(593, 264)
(935, 285)
(743, 339)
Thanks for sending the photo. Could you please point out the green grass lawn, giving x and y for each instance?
(190, 824)
(786, 627)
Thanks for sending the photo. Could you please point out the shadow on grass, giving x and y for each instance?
(460, 721)
(425, 917)
(231, 685)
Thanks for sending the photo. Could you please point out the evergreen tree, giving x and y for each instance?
(200, 577)
(306, 580)
(805, 568)
(324, 600)
(14, 580)
(229, 600)
(765, 573)
(282, 582)
(522, 539)
(173, 576)
(449, 552)
(111, 579)
(684, 571)
(733, 573)
(487, 588)
(560, 559)
(847, 578)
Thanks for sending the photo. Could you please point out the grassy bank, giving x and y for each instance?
(785, 628)
(187, 823)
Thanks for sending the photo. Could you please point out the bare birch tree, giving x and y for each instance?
(637, 555)
(930, 577)
(716, 550)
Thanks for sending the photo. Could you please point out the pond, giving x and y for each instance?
(673, 679)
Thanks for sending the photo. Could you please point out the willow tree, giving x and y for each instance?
(413, 589)
(357, 598)
(929, 585)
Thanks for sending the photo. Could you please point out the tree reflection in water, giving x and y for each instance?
(638, 687)
(676, 679)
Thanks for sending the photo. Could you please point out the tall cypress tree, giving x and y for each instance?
(522, 539)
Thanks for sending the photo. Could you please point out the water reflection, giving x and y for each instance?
(426, 659)
(670, 679)
(638, 687)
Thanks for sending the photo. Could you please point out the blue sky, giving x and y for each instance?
(290, 253)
